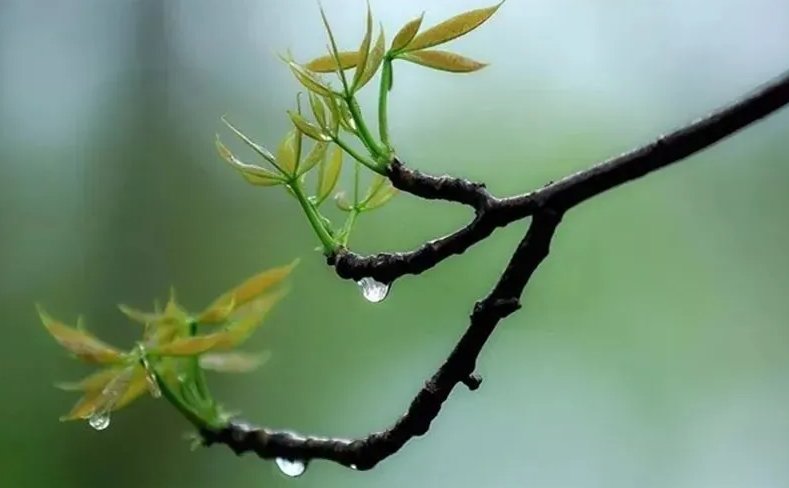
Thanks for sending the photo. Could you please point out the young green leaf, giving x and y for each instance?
(373, 60)
(287, 156)
(453, 28)
(82, 344)
(262, 151)
(381, 197)
(318, 110)
(328, 64)
(244, 293)
(329, 174)
(333, 49)
(443, 60)
(315, 156)
(406, 33)
(334, 111)
(308, 128)
(364, 50)
(253, 174)
(308, 79)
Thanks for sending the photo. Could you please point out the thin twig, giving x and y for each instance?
(493, 213)
(546, 207)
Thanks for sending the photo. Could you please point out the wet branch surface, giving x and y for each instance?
(546, 207)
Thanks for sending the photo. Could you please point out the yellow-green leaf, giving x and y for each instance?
(373, 60)
(79, 342)
(308, 79)
(95, 381)
(364, 50)
(249, 319)
(381, 197)
(255, 175)
(245, 292)
(333, 47)
(406, 33)
(188, 346)
(334, 110)
(233, 362)
(286, 152)
(452, 28)
(84, 406)
(315, 156)
(327, 63)
(138, 315)
(318, 110)
(262, 151)
(443, 60)
(308, 128)
(330, 175)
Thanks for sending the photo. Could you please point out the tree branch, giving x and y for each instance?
(546, 207)
(365, 453)
(492, 212)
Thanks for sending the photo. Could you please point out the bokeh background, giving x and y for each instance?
(652, 348)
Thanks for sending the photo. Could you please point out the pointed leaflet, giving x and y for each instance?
(79, 342)
(95, 381)
(374, 59)
(253, 174)
(231, 336)
(262, 151)
(318, 110)
(245, 292)
(308, 128)
(315, 156)
(381, 197)
(452, 28)
(443, 60)
(342, 202)
(327, 63)
(286, 152)
(333, 49)
(329, 174)
(308, 79)
(406, 33)
(364, 50)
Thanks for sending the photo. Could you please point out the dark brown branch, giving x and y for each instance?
(564, 194)
(365, 453)
(546, 206)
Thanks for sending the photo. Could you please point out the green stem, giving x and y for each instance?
(329, 245)
(201, 385)
(355, 155)
(383, 103)
(348, 227)
(176, 401)
(364, 132)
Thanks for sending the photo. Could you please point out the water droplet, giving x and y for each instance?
(99, 420)
(353, 466)
(290, 467)
(372, 290)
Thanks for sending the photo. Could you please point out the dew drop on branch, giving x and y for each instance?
(290, 467)
(99, 421)
(373, 291)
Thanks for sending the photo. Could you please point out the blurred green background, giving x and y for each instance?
(652, 348)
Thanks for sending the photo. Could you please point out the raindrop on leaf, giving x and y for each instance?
(290, 467)
(99, 420)
(373, 291)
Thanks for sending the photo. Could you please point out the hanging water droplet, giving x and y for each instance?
(291, 467)
(99, 420)
(373, 291)
(353, 467)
